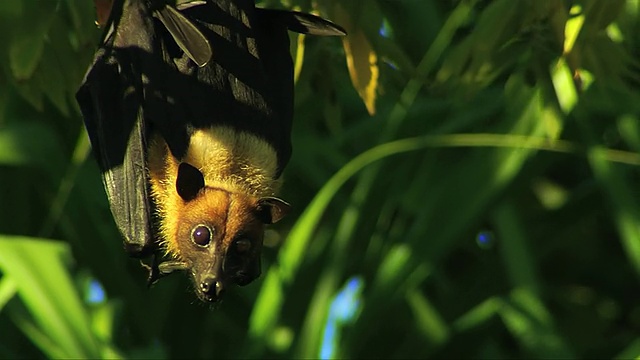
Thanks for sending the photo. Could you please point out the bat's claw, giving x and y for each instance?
(154, 272)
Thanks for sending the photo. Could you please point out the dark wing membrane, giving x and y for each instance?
(186, 34)
(273, 47)
(270, 28)
(303, 23)
(110, 100)
(116, 129)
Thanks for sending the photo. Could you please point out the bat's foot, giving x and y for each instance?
(158, 270)
(154, 271)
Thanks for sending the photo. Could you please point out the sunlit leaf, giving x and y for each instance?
(573, 27)
(362, 61)
(8, 289)
(38, 268)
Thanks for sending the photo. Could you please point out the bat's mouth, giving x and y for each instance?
(210, 284)
(210, 289)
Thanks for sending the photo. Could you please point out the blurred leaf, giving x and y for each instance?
(573, 27)
(298, 59)
(8, 289)
(11, 8)
(30, 144)
(565, 89)
(600, 13)
(362, 60)
(529, 322)
(38, 268)
(413, 26)
(517, 256)
(4, 98)
(27, 45)
(31, 92)
(78, 158)
(631, 352)
(428, 319)
(478, 315)
(629, 128)
(626, 213)
(265, 313)
(25, 54)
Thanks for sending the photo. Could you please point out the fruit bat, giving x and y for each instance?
(188, 106)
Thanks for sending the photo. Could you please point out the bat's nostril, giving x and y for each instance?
(207, 284)
(211, 288)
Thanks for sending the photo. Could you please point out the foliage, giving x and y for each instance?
(465, 179)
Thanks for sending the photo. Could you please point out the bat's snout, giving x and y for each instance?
(211, 289)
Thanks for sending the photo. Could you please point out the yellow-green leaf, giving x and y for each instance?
(362, 61)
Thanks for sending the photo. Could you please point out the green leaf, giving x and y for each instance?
(428, 320)
(530, 323)
(27, 43)
(8, 290)
(39, 269)
(25, 54)
(627, 210)
(30, 144)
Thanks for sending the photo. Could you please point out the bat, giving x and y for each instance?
(188, 106)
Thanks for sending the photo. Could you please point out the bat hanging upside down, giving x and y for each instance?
(188, 106)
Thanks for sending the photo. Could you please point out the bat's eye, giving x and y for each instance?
(201, 235)
(242, 246)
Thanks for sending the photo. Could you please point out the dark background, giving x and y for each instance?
(465, 183)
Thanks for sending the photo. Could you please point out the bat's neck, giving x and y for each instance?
(233, 160)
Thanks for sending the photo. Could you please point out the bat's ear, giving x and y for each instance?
(271, 209)
(190, 181)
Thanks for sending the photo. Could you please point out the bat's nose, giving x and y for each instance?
(211, 288)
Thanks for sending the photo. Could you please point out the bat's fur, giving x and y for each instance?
(238, 169)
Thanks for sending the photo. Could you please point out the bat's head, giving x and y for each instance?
(219, 233)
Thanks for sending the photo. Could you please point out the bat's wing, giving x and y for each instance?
(302, 22)
(115, 99)
(271, 30)
(186, 34)
(111, 99)
(273, 46)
